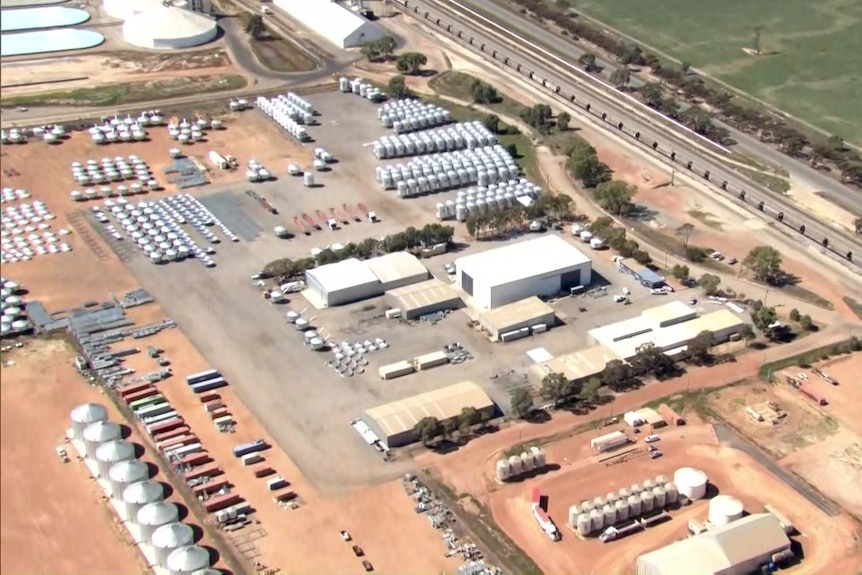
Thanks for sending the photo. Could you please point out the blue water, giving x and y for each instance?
(48, 41)
(35, 18)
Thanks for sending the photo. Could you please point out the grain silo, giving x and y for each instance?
(587, 506)
(635, 505)
(672, 493)
(636, 488)
(139, 494)
(622, 507)
(661, 480)
(515, 464)
(623, 494)
(124, 473)
(154, 515)
(584, 525)
(113, 452)
(84, 415)
(208, 571)
(647, 501)
(168, 538)
(527, 463)
(599, 502)
(574, 511)
(538, 457)
(610, 515)
(660, 494)
(504, 470)
(186, 560)
(724, 509)
(647, 485)
(611, 498)
(690, 482)
(98, 433)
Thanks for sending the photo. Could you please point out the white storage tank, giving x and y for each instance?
(154, 515)
(186, 560)
(124, 473)
(647, 501)
(515, 464)
(308, 179)
(611, 498)
(661, 480)
(690, 482)
(574, 512)
(292, 316)
(538, 457)
(503, 469)
(98, 433)
(723, 509)
(84, 415)
(585, 524)
(139, 494)
(672, 493)
(113, 452)
(526, 461)
(622, 508)
(660, 495)
(587, 506)
(647, 485)
(610, 515)
(599, 502)
(624, 494)
(636, 488)
(635, 506)
(597, 520)
(168, 538)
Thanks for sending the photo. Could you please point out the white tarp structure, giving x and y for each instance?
(169, 27)
(337, 24)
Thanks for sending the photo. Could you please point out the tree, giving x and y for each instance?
(621, 77)
(427, 429)
(642, 257)
(747, 334)
(556, 387)
(685, 231)
(492, 123)
(763, 318)
(467, 419)
(758, 30)
(410, 62)
(616, 197)
(654, 361)
(616, 374)
(591, 388)
(521, 403)
(795, 315)
(588, 61)
(512, 149)
(449, 427)
(378, 49)
(398, 87)
(255, 27)
(584, 164)
(483, 93)
(698, 348)
(709, 283)
(652, 95)
(280, 267)
(563, 121)
(806, 323)
(539, 117)
(680, 272)
(765, 262)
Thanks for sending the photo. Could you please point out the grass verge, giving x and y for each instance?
(673, 246)
(855, 306)
(769, 181)
(281, 55)
(810, 357)
(459, 85)
(131, 92)
(694, 400)
(806, 295)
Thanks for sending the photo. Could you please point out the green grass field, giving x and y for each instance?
(811, 67)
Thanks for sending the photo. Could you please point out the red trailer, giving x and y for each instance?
(264, 472)
(220, 412)
(142, 394)
(178, 432)
(196, 459)
(211, 470)
(210, 487)
(350, 212)
(132, 388)
(166, 426)
(188, 439)
(211, 406)
(222, 502)
(812, 394)
(208, 397)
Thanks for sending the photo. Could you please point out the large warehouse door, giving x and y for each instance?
(467, 283)
(570, 279)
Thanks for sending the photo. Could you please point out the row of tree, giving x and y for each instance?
(496, 222)
(430, 428)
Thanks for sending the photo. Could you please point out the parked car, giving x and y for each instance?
(692, 301)
(368, 566)
(732, 261)
(357, 550)
(652, 438)
(655, 454)
(450, 269)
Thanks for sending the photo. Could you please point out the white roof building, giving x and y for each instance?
(354, 280)
(543, 266)
(168, 27)
(337, 24)
(397, 269)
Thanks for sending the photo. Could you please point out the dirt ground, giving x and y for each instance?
(844, 397)
(88, 70)
(581, 477)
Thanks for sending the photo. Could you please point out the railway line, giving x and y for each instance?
(674, 145)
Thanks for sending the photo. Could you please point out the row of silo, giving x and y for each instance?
(500, 196)
(360, 88)
(281, 115)
(515, 465)
(464, 135)
(411, 115)
(14, 319)
(286, 105)
(111, 170)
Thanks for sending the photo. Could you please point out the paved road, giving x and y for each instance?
(634, 118)
(745, 142)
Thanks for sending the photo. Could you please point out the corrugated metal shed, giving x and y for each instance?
(397, 269)
(523, 313)
(334, 22)
(422, 298)
(669, 314)
(577, 365)
(621, 330)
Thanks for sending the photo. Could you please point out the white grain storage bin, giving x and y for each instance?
(168, 538)
(124, 473)
(136, 495)
(85, 414)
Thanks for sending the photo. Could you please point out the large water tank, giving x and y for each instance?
(690, 482)
(186, 560)
(139, 494)
(634, 505)
(647, 501)
(503, 469)
(154, 515)
(98, 433)
(610, 515)
(113, 452)
(584, 525)
(574, 512)
(672, 493)
(723, 509)
(124, 473)
(622, 507)
(660, 497)
(84, 415)
(168, 538)
(597, 519)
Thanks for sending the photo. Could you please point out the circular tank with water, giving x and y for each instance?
(672, 493)
(597, 519)
(584, 524)
(154, 515)
(98, 433)
(113, 452)
(635, 506)
(84, 415)
(690, 482)
(515, 464)
(622, 508)
(647, 501)
(660, 494)
(661, 480)
(610, 515)
(186, 560)
(168, 538)
(124, 473)
(503, 469)
(139, 494)
(723, 509)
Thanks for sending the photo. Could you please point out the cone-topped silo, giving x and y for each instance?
(168, 538)
(139, 494)
(113, 452)
(85, 414)
(98, 433)
(187, 560)
(154, 515)
(124, 473)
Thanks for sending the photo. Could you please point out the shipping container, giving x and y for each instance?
(209, 470)
(213, 405)
(222, 501)
(250, 447)
(812, 394)
(152, 410)
(252, 459)
(171, 444)
(277, 483)
(196, 459)
(209, 487)
(140, 394)
(150, 420)
(394, 370)
(132, 388)
(430, 360)
(164, 426)
(182, 450)
(264, 472)
(282, 497)
(139, 404)
(208, 397)
(226, 420)
(177, 432)
(220, 412)
(202, 376)
(209, 385)
(609, 441)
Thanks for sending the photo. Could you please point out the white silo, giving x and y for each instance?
(610, 515)
(690, 482)
(207, 571)
(154, 515)
(661, 480)
(585, 524)
(597, 519)
(139, 494)
(98, 433)
(672, 493)
(635, 507)
(611, 498)
(113, 452)
(574, 512)
(186, 560)
(503, 469)
(636, 488)
(84, 415)
(623, 494)
(124, 473)
(647, 485)
(526, 461)
(599, 502)
(515, 463)
(660, 494)
(622, 507)
(723, 509)
(168, 538)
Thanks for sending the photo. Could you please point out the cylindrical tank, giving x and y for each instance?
(690, 482)
(587, 506)
(636, 488)
(538, 457)
(623, 494)
(660, 497)
(113, 452)
(207, 571)
(661, 480)
(611, 498)
(124, 473)
(723, 509)
(308, 179)
(647, 501)
(584, 525)
(139, 494)
(98, 433)
(526, 461)
(154, 515)
(186, 560)
(622, 508)
(599, 502)
(168, 538)
(648, 485)
(597, 520)
(634, 506)
(503, 469)
(672, 493)
(515, 464)
(574, 512)
(84, 415)
(610, 515)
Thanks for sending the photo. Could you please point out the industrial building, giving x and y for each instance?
(125, 9)
(393, 422)
(165, 26)
(425, 297)
(335, 23)
(544, 266)
(518, 319)
(354, 280)
(577, 366)
(737, 548)
(643, 274)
